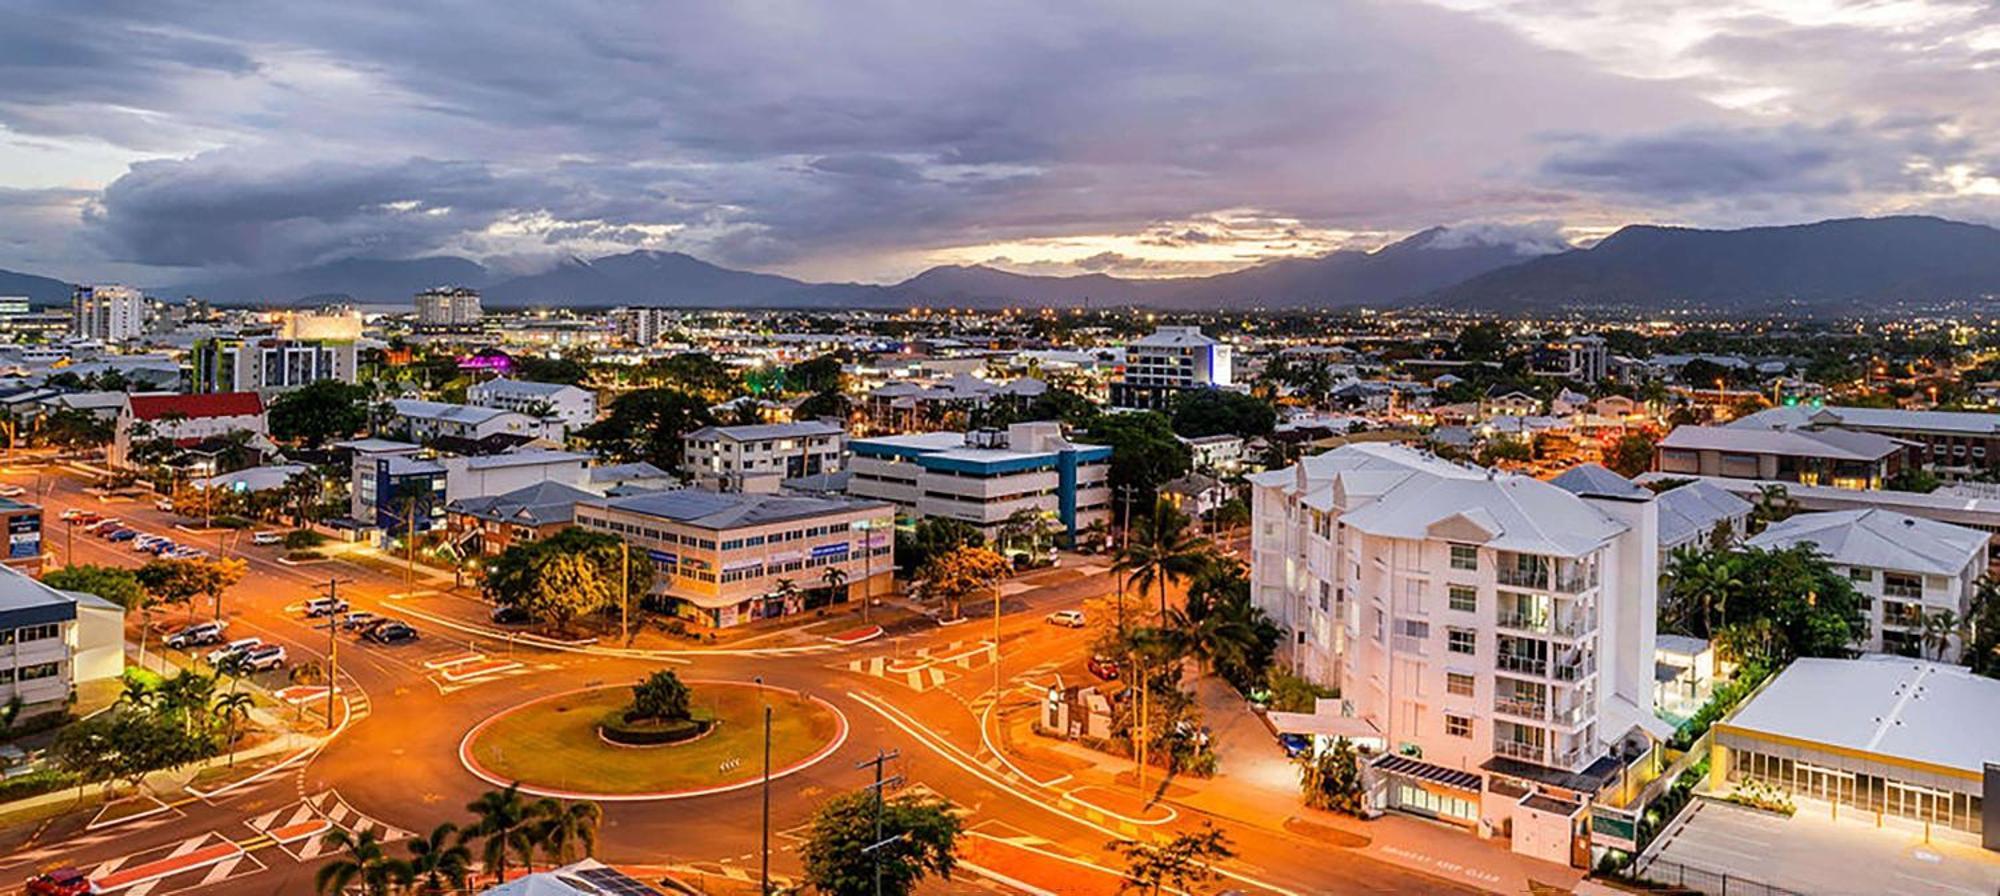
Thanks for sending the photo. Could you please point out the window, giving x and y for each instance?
(1461, 640)
(1860, 574)
(1458, 684)
(1457, 726)
(1896, 584)
(1464, 556)
(1464, 599)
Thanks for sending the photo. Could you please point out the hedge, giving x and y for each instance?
(615, 728)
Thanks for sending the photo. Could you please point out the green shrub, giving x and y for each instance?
(1290, 693)
(619, 727)
(1724, 699)
(301, 556)
(35, 783)
(303, 539)
(231, 521)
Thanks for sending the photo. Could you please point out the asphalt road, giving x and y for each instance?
(396, 769)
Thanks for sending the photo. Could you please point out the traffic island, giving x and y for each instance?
(557, 745)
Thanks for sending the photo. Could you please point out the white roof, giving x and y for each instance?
(416, 409)
(505, 386)
(524, 459)
(585, 878)
(1837, 444)
(1598, 481)
(1890, 706)
(758, 431)
(1175, 337)
(1880, 539)
(1797, 416)
(1695, 508)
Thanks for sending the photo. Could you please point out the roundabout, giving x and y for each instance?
(554, 746)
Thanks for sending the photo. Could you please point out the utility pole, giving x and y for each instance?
(996, 642)
(881, 759)
(764, 873)
(1140, 747)
(410, 547)
(333, 645)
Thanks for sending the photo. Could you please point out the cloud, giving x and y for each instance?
(851, 140)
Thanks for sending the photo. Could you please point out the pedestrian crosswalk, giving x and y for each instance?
(300, 828)
(195, 862)
(925, 668)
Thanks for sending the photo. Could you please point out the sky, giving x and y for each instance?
(164, 142)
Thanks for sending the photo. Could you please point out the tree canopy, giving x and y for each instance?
(962, 572)
(569, 574)
(319, 412)
(647, 425)
(113, 583)
(1144, 452)
(1211, 412)
(921, 834)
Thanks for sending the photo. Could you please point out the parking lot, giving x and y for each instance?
(1813, 853)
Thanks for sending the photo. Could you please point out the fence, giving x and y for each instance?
(1702, 880)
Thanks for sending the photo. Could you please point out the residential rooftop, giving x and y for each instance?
(732, 510)
(1880, 539)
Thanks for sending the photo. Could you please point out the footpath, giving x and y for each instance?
(1256, 787)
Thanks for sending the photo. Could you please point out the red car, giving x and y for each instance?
(1103, 667)
(60, 882)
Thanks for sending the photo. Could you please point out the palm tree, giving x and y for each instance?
(786, 590)
(503, 822)
(834, 577)
(137, 695)
(363, 861)
(1939, 630)
(437, 860)
(233, 709)
(567, 828)
(1160, 549)
(1228, 636)
(1702, 580)
(1774, 503)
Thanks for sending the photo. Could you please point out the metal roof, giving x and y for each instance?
(1888, 706)
(1880, 539)
(730, 510)
(1414, 768)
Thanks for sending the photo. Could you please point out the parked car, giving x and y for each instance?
(268, 537)
(390, 631)
(265, 658)
(324, 606)
(145, 542)
(510, 616)
(197, 635)
(60, 882)
(164, 505)
(359, 621)
(1103, 667)
(216, 656)
(101, 524)
(160, 547)
(1065, 618)
(72, 513)
(12, 491)
(123, 535)
(1294, 744)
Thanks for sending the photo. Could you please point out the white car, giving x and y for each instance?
(267, 537)
(146, 542)
(164, 505)
(265, 658)
(1065, 618)
(71, 514)
(216, 656)
(196, 635)
(325, 606)
(12, 491)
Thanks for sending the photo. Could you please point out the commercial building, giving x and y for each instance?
(51, 640)
(448, 309)
(1902, 742)
(269, 365)
(110, 314)
(335, 324)
(984, 477)
(1494, 631)
(757, 458)
(1951, 440)
(1836, 457)
(722, 559)
(1171, 360)
(393, 486)
(186, 420)
(1222, 454)
(1906, 568)
(569, 407)
(948, 404)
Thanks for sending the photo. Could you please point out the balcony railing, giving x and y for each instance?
(1507, 662)
(1545, 573)
(1905, 592)
(1536, 577)
(1567, 624)
(1574, 670)
(1526, 752)
(1533, 710)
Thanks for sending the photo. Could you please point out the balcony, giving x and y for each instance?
(1574, 670)
(1522, 750)
(1526, 665)
(1546, 573)
(1902, 591)
(1568, 625)
(1532, 710)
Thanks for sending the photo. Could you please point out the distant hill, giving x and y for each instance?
(39, 290)
(641, 278)
(1836, 265)
(1413, 266)
(358, 279)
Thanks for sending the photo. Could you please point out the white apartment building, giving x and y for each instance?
(111, 313)
(756, 458)
(642, 326)
(1494, 632)
(1169, 361)
(1906, 568)
(50, 640)
(448, 308)
(570, 407)
(986, 476)
(269, 366)
(428, 420)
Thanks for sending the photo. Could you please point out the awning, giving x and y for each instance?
(1404, 766)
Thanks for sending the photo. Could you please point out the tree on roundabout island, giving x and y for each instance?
(920, 835)
(658, 714)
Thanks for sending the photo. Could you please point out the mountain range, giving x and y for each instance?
(1833, 266)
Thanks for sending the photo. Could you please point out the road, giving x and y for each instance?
(395, 770)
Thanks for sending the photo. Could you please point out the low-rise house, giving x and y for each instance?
(1836, 457)
(1958, 440)
(427, 420)
(1221, 453)
(1905, 568)
(1501, 401)
(490, 524)
(54, 640)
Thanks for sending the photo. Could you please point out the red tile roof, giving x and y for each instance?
(218, 404)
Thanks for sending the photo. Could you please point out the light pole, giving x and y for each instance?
(333, 645)
(764, 871)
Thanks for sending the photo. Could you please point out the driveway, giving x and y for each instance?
(1811, 852)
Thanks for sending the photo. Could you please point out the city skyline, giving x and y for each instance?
(165, 145)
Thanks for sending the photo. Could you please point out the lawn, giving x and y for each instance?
(553, 743)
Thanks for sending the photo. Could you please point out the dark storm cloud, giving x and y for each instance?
(1702, 164)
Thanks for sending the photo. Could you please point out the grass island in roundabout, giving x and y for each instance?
(659, 739)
